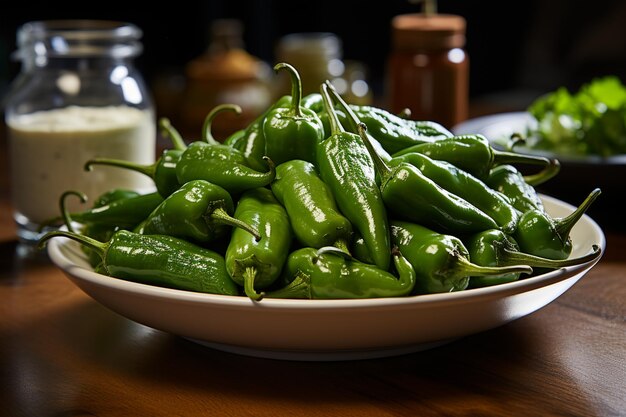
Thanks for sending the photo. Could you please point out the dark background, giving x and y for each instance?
(517, 49)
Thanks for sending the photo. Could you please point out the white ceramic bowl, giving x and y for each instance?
(329, 329)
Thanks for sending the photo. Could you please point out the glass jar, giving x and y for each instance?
(428, 69)
(78, 96)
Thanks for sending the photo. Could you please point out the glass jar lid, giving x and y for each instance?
(78, 38)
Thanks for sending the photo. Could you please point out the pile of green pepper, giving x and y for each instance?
(318, 198)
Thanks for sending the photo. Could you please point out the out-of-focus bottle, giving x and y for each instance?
(354, 87)
(225, 74)
(317, 56)
(428, 69)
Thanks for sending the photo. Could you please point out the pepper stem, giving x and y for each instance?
(221, 216)
(66, 215)
(249, 275)
(406, 272)
(95, 245)
(168, 131)
(380, 166)
(207, 136)
(334, 251)
(300, 288)
(504, 157)
(148, 170)
(353, 119)
(545, 174)
(466, 268)
(296, 87)
(564, 225)
(342, 245)
(333, 120)
(512, 257)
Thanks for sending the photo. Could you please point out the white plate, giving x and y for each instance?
(329, 329)
(499, 127)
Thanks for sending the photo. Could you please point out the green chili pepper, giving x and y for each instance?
(292, 132)
(509, 181)
(163, 171)
(124, 213)
(396, 133)
(256, 263)
(496, 248)
(252, 144)
(327, 273)
(67, 219)
(409, 194)
(220, 164)
(471, 153)
(93, 230)
(235, 139)
(359, 250)
(345, 165)
(441, 261)
(313, 101)
(350, 118)
(541, 235)
(197, 211)
(465, 185)
(112, 195)
(310, 204)
(163, 261)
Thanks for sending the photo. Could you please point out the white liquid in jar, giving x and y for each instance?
(48, 150)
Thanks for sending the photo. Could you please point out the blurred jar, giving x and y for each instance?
(317, 56)
(225, 74)
(353, 85)
(428, 69)
(78, 96)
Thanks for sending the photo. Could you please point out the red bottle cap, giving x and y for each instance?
(419, 31)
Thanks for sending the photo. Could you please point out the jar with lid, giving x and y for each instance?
(428, 69)
(78, 96)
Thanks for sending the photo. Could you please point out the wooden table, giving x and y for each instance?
(63, 354)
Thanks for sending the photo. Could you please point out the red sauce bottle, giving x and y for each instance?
(428, 69)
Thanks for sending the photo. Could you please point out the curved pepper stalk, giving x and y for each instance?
(495, 248)
(292, 132)
(163, 171)
(542, 235)
(221, 164)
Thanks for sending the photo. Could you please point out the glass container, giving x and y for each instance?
(78, 96)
